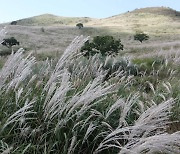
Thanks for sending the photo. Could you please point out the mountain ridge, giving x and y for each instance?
(51, 19)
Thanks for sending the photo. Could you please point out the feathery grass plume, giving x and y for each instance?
(56, 97)
(151, 86)
(90, 129)
(20, 115)
(91, 92)
(168, 87)
(126, 107)
(150, 125)
(23, 70)
(2, 34)
(114, 107)
(4, 148)
(72, 109)
(160, 143)
(81, 103)
(70, 52)
(82, 68)
(16, 69)
(65, 59)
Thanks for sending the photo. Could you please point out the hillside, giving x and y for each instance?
(153, 15)
(159, 20)
(160, 23)
(154, 20)
(49, 19)
(158, 11)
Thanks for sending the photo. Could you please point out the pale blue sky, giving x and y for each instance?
(18, 9)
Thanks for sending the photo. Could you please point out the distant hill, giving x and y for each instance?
(143, 16)
(49, 19)
(153, 20)
(166, 11)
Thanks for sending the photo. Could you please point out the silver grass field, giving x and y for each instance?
(69, 107)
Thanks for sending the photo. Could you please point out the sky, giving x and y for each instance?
(18, 9)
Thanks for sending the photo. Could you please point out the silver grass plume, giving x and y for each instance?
(17, 68)
(146, 135)
(2, 34)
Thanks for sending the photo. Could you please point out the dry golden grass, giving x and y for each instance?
(161, 24)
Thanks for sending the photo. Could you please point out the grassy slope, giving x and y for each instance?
(156, 21)
(54, 39)
(49, 19)
(162, 24)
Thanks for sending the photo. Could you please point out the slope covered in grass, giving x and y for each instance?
(49, 19)
(156, 21)
(67, 106)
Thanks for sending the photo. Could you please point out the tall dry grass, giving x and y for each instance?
(70, 108)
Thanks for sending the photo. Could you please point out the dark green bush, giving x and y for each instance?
(9, 42)
(105, 45)
(13, 23)
(79, 25)
(140, 36)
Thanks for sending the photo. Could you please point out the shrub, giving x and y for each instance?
(14, 23)
(42, 29)
(79, 25)
(140, 36)
(105, 45)
(9, 42)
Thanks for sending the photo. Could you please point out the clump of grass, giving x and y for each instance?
(69, 109)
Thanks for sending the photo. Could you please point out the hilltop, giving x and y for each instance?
(156, 20)
(137, 15)
(166, 11)
(50, 19)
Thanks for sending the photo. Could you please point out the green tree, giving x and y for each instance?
(105, 45)
(9, 42)
(14, 23)
(79, 25)
(140, 36)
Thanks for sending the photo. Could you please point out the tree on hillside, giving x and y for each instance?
(105, 45)
(79, 25)
(9, 42)
(140, 36)
(14, 23)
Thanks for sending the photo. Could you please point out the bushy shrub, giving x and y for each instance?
(9, 42)
(14, 23)
(79, 25)
(105, 45)
(140, 36)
